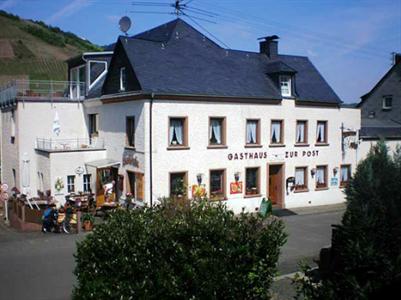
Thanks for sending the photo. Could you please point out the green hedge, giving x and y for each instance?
(195, 251)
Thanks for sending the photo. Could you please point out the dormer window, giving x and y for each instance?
(387, 102)
(285, 85)
(123, 79)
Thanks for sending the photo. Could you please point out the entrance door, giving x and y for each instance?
(276, 184)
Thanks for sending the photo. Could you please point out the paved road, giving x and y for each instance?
(39, 266)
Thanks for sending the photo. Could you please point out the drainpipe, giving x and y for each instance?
(152, 96)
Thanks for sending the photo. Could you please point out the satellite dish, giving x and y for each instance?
(125, 24)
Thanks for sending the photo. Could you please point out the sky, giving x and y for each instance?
(349, 41)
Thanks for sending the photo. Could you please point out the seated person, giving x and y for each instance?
(47, 222)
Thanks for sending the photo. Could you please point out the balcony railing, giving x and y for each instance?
(62, 145)
(42, 90)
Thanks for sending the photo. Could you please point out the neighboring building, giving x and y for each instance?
(381, 110)
(176, 114)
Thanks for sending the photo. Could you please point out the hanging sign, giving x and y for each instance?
(334, 181)
(236, 187)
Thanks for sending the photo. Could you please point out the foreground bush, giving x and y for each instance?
(366, 248)
(199, 251)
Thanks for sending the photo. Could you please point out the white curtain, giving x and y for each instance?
(276, 134)
(320, 132)
(344, 174)
(215, 130)
(320, 175)
(176, 131)
(299, 177)
(300, 132)
(251, 132)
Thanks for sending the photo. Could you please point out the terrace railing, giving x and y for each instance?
(62, 145)
(42, 90)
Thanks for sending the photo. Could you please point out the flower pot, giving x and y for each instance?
(88, 226)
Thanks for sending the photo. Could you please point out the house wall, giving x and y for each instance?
(112, 128)
(35, 120)
(366, 145)
(9, 151)
(199, 159)
(64, 164)
(390, 86)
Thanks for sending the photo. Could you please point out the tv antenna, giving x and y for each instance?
(180, 8)
(125, 24)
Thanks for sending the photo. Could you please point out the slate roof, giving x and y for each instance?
(176, 58)
(377, 129)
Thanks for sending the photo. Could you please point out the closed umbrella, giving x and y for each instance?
(56, 124)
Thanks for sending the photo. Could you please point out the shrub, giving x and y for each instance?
(198, 250)
(366, 253)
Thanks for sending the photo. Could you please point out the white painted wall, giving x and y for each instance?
(366, 145)
(199, 159)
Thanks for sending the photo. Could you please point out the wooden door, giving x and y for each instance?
(275, 183)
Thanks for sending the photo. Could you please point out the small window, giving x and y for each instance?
(345, 175)
(71, 183)
(301, 134)
(93, 125)
(178, 184)
(130, 131)
(178, 132)
(252, 181)
(277, 131)
(123, 79)
(387, 102)
(321, 177)
(321, 132)
(301, 179)
(217, 131)
(87, 183)
(217, 184)
(285, 84)
(252, 132)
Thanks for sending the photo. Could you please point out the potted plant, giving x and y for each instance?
(88, 220)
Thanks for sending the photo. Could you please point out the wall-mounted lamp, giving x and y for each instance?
(199, 178)
(237, 176)
(313, 172)
(335, 171)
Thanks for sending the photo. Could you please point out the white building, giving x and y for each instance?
(176, 114)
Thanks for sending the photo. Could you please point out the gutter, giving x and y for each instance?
(152, 96)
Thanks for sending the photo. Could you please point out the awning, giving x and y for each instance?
(103, 163)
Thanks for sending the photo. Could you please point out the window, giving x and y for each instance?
(301, 179)
(71, 183)
(252, 132)
(387, 102)
(217, 131)
(77, 79)
(301, 134)
(217, 184)
(285, 84)
(345, 175)
(178, 184)
(276, 132)
(130, 131)
(321, 177)
(252, 181)
(321, 132)
(93, 125)
(123, 79)
(12, 138)
(96, 70)
(178, 132)
(87, 183)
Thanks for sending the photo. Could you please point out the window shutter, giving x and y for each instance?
(140, 186)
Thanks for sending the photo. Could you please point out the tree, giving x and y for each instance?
(366, 248)
(196, 250)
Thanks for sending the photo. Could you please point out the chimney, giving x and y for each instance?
(269, 46)
(397, 58)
